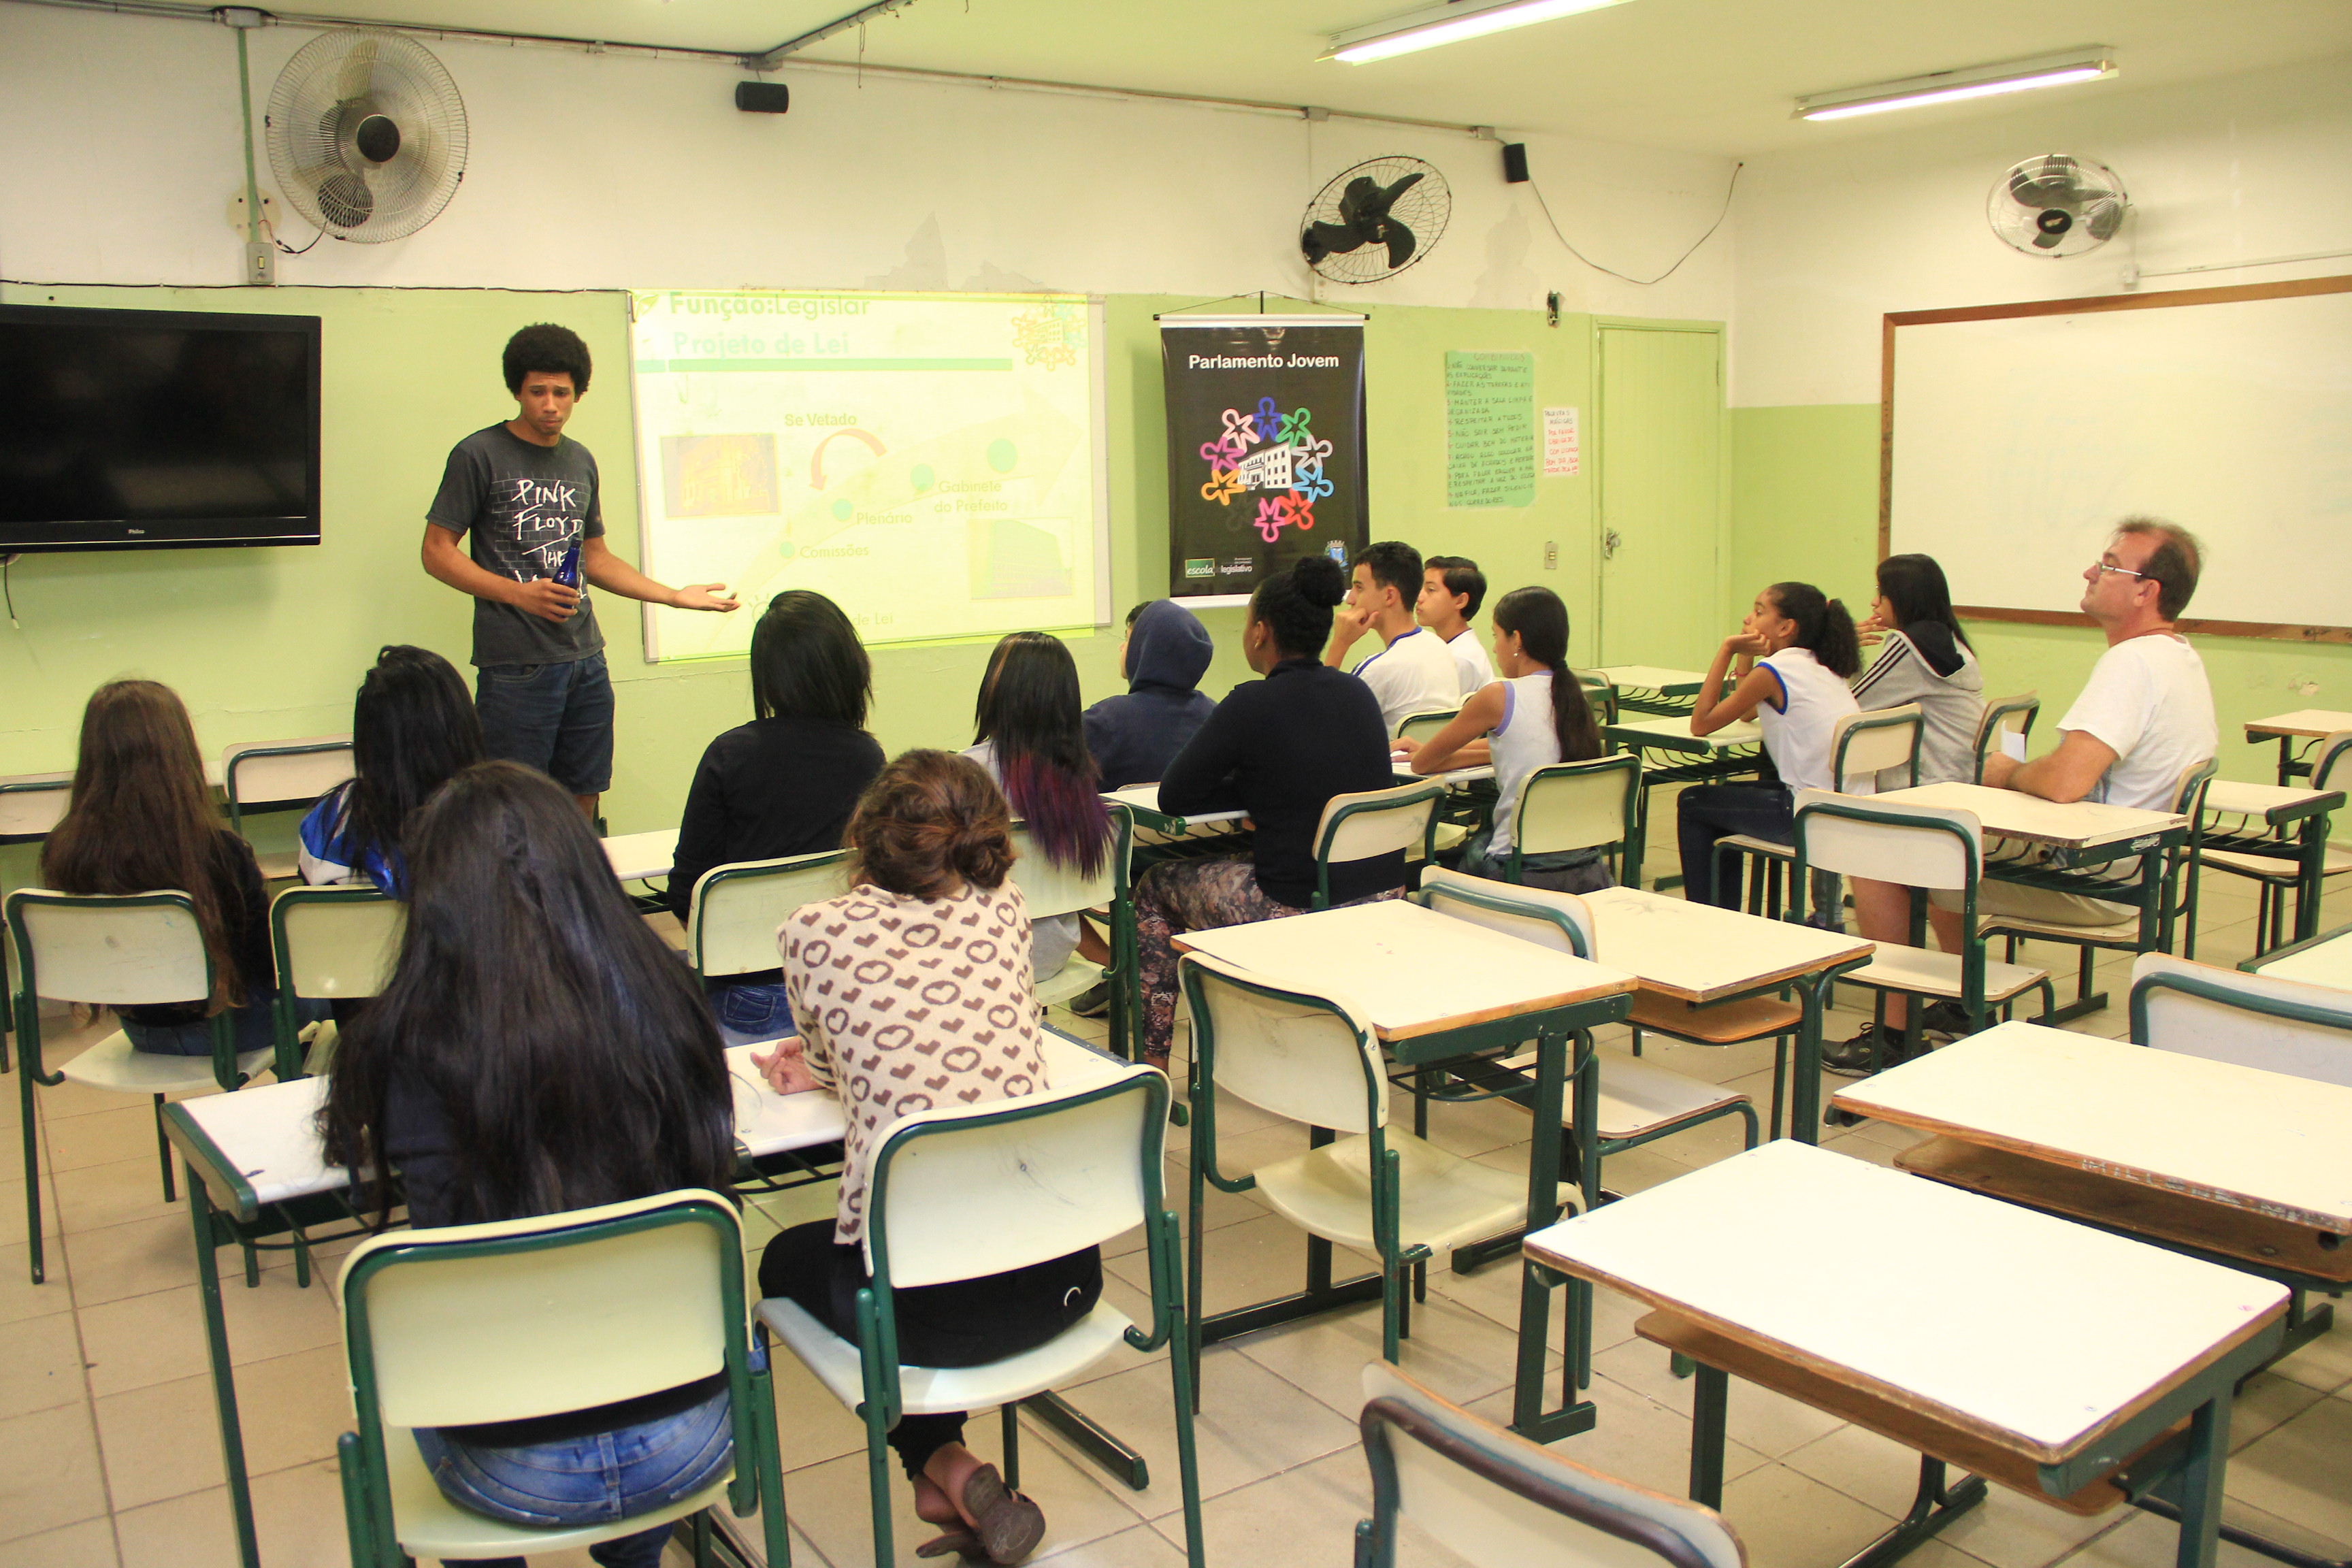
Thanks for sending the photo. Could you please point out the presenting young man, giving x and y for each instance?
(1415, 673)
(523, 495)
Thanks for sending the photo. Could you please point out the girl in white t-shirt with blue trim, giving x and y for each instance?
(1792, 657)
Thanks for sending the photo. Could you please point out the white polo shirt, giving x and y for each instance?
(1470, 658)
(2150, 701)
(1414, 674)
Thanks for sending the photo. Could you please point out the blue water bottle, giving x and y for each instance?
(568, 572)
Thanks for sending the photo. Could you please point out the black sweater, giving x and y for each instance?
(767, 789)
(1279, 749)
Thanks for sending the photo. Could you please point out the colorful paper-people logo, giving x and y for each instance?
(1284, 473)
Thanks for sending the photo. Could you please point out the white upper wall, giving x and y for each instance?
(2230, 169)
(610, 171)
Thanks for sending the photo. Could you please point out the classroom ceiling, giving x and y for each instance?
(1702, 76)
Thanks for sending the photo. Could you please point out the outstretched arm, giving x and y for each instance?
(599, 565)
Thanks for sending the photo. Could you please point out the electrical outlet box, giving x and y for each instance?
(1551, 556)
(260, 263)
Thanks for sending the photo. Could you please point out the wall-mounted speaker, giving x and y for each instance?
(1515, 162)
(763, 97)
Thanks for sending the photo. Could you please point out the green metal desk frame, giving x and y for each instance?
(2311, 820)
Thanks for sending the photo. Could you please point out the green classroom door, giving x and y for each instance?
(1661, 498)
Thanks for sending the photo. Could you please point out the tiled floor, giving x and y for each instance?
(108, 1452)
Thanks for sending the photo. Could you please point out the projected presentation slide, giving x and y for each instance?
(927, 462)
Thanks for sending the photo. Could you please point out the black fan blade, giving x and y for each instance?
(1401, 242)
(2051, 180)
(1334, 237)
(1389, 196)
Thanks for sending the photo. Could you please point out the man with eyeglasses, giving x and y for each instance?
(2144, 716)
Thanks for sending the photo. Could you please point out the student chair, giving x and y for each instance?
(281, 776)
(2278, 873)
(118, 952)
(731, 918)
(2009, 716)
(1047, 889)
(1593, 805)
(1424, 725)
(2278, 1025)
(330, 944)
(1497, 1500)
(1923, 847)
(1601, 693)
(1312, 1058)
(2176, 871)
(976, 1190)
(475, 1323)
(1374, 821)
(1862, 746)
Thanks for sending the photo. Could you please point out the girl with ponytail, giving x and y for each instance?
(1791, 659)
(1535, 716)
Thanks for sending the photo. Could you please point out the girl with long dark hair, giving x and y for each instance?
(413, 726)
(1535, 716)
(538, 1050)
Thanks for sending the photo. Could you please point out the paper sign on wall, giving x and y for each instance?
(1490, 428)
(1562, 453)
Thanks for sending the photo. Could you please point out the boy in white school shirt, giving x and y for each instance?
(1452, 589)
(1415, 673)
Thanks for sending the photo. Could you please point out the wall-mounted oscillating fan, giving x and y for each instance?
(1375, 220)
(2052, 204)
(367, 134)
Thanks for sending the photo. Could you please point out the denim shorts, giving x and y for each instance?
(603, 1479)
(750, 1015)
(254, 1026)
(557, 718)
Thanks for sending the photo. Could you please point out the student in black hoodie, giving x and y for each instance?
(1277, 749)
(1134, 737)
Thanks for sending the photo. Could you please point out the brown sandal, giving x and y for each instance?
(962, 1543)
(1008, 1524)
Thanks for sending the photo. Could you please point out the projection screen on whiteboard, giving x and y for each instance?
(2018, 440)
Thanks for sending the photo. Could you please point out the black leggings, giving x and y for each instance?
(966, 1322)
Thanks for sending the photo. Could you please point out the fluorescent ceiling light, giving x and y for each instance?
(2090, 63)
(1434, 24)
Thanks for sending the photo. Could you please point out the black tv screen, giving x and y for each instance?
(156, 429)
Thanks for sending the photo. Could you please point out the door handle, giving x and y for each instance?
(1610, 541)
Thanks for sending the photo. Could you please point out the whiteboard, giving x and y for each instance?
(2019, 441)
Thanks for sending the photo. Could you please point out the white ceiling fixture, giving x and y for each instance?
(2092, 62)
(1433, 24)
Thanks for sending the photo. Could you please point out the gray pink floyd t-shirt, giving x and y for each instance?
(520, 506)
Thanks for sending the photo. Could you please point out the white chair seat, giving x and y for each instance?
(1447, 1200)
(1753, 846)
(280, 868)
(2124, 931)
(1638, 1099)
(929, 1390)
(113, 1064)
(1446, 836)
(2337, 862)
(1927, 972)
(1067, 981)
(430, 1525)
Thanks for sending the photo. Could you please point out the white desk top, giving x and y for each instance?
(1675, 729)
(1146, 797)
(1449, 777)
(1649, 677)
(2215, 1131)
(2312, 722)
(636, 856)
(270, 1133)
(2229, 797)
(2012, 814)
(1700, 953)
(2027, 1328)
(1409, 970)
(2325, 962)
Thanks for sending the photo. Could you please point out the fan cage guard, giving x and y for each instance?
(1424, 209)
(2090, 187)
(331, 86)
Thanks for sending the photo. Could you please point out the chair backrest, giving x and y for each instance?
(1579, 806)
(1561, 921)
(534, 1317)
(1310, 1057)
(1498, 1501)
(32, 804)
(113, 951)
(2188, 794)
(1601, 694)
(2333, 758)
(1375, 821)
(1421, 726)
(335, 942)
(976, 1190)
(1868, 744)
(1047, 889)
(1916, 846)
(266, 772)
(731, 925)
(2009, 716)
(2278, 1026)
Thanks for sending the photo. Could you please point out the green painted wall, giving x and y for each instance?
(271, 643)
(1805, 506)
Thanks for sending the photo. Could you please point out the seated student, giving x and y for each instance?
(140, 818)
(413, 726)
(537, 1051)
(1794, 653)
(1414, 673)
(1924, 657)
(1277, 749)
(1030, 737)
(1166, 652)
(2145, 716)
(783, 784)
(934, 854)
(1535, 716)
(1451, 588)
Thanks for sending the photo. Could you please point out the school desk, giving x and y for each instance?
(2303, 724)
(1729, 753)
(2015, 1345)
(636, 857)
(1646, 689)
(2323, 959)
(2254, 819)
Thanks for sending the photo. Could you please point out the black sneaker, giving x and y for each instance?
(1853, 1058)
(1948, 1019)
(1094, 1002)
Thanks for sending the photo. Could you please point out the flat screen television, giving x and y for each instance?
(156, 429)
